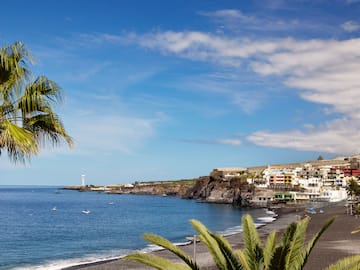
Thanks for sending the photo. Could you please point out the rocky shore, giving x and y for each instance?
(209, 189)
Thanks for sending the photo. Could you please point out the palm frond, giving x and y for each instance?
(47, 128)
(160, 241)
(206, 237)
(13, 69)
(232, 260)
(277, 261)
(243, 260)
(18, 142)
(156, 262)
(251, 241)
(313, 241)
(294, 258)
(356, 230)
(348, 263)
(269, 249)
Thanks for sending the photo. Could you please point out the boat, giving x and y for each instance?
(54, 208)
(86, 212)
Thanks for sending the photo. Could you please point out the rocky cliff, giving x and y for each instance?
(211, 189)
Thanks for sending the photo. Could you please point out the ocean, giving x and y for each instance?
(45, 228)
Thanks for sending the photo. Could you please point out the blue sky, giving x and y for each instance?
(159, 90)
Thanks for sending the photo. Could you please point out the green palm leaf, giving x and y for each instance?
(294, 257)
(313, 241)
(232, 260)
(27, 118)
(243, 260)
(156, 262)
(253, 250)
(356, 230)
(18, 142)
(211, 244)
(269, 249)
(160, 241)
(348, 263)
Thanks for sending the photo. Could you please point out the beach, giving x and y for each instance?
(336, 243)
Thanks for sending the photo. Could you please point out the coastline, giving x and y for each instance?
(337, 241)
(286, 216)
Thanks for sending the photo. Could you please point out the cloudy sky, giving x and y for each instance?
(172, 89)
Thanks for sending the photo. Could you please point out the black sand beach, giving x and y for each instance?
(337, 242)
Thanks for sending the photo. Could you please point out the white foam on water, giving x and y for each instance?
(64, 263)
(118, 254)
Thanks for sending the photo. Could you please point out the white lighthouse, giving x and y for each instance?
(83, 180)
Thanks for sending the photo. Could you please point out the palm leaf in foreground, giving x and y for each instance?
(157, 262)
(207, 238)
(232, 260)
(313, 241)
(356, 230)
(348, 263)
(160, 241)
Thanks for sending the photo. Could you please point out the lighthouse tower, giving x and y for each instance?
(83, 180)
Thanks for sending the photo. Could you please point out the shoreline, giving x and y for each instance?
(336, 242)
(286, 215)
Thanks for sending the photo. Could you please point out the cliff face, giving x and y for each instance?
(211, 189)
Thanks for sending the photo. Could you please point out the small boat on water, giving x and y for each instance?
(54, 208)
(86, 212)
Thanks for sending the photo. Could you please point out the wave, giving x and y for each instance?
(66, 263)
(118, 254)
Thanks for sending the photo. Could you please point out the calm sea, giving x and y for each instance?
(33, 235)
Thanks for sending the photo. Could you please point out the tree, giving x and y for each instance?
(320, 157)
(27, 119)
(353, 188)
(289, 253)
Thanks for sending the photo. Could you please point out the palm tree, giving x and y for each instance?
(290, 253)
(353, 189)
(27, 118)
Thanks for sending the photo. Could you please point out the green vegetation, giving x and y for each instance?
(289, 253)
(183, 182)
(27, 118)
(353, 189)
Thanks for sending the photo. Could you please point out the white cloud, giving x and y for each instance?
(237, 21)
(231, 14)
(339, 137)
(226, 141)
(234, 142)
(350, 26)
(322, 71)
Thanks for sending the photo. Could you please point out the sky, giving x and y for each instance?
(160, 90)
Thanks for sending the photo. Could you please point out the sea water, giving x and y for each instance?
(45, 228)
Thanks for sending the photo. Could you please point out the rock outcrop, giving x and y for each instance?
(211, 189)
(171, 189)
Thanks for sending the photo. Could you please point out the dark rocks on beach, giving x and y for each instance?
(217, 190)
